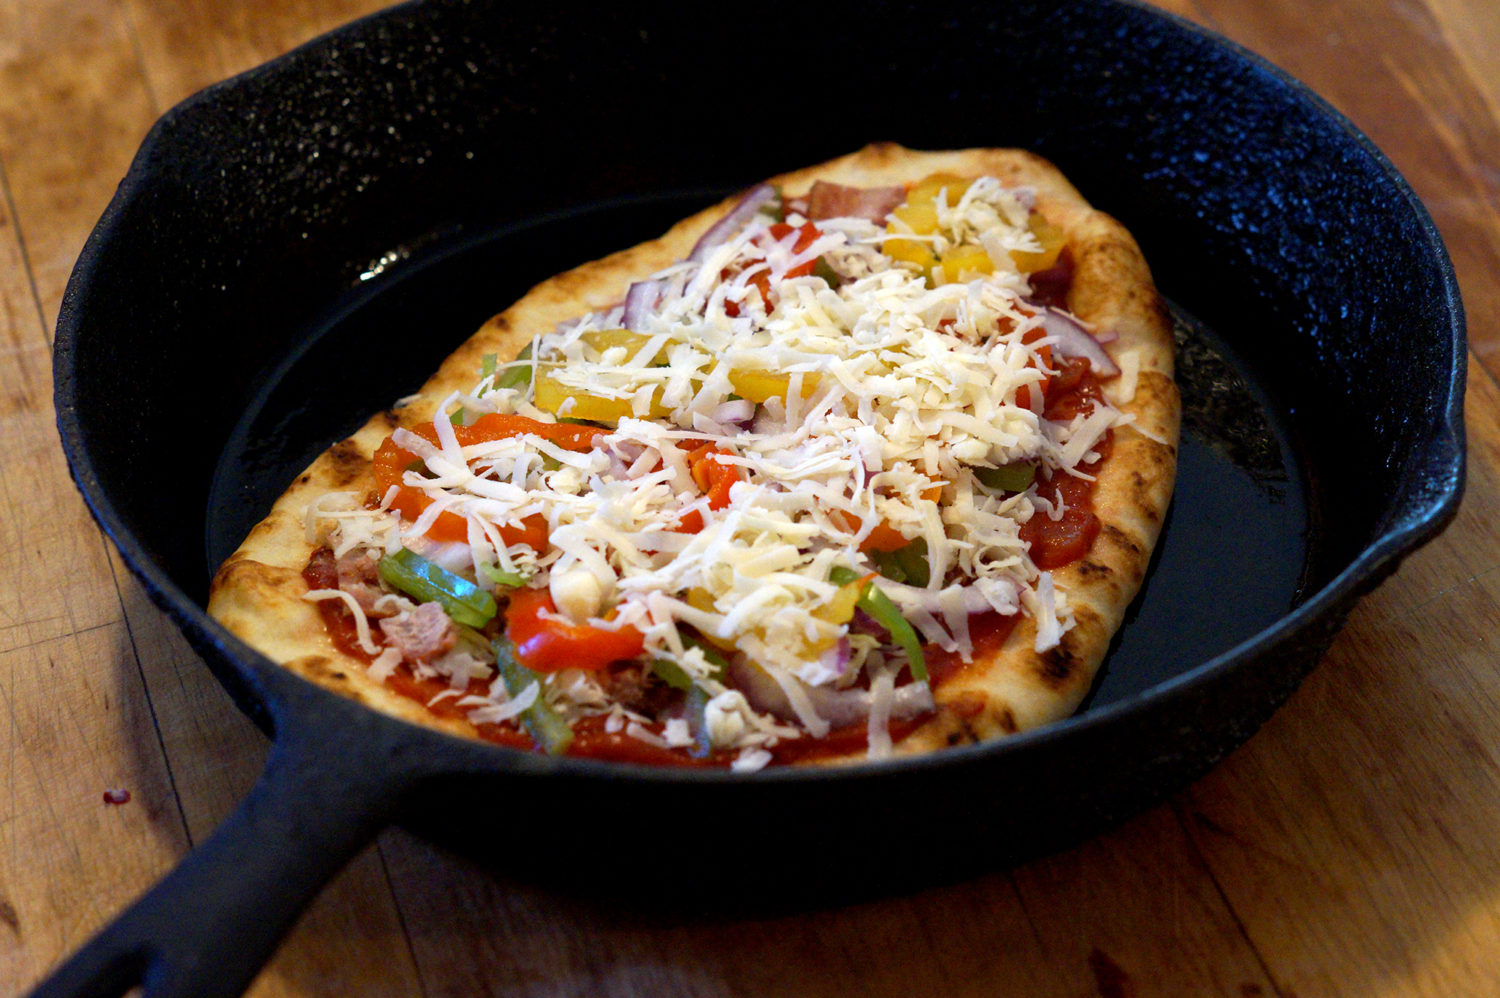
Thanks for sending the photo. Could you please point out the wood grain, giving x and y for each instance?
(77, 716)
(1350, 848)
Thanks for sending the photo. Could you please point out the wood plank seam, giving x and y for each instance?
(411, 949)
(1178, 812)
(161, 742)
(137, 48)
(36, 295)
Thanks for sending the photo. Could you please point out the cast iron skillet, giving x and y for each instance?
(395, 182)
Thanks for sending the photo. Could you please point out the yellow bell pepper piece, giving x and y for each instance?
(701, 599)
(1052, 241)
(552, 396)
(605, 339)
(920, 217)
(912, 251)
(758, 386)
(840, 609)
(920, 210)
(963, 260)
(919, 214)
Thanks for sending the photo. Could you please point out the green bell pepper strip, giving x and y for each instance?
(823, 269)
(500, 577)
(913, 562)
(518, 376)
(546, 725)
(885, 613)
(906, 564)
(888, 565)
(677, 677)
(427, 581)
(774, 209)
(1008, 477)
(672, 674)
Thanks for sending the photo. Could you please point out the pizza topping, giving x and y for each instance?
(755, 201)
(873, 204)
(881, 610)
(547, 641)
(1073, 340)
(421, 635)
(830, 390)
(463, 601)
(523, 689)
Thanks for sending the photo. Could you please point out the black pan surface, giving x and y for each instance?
(400, 180)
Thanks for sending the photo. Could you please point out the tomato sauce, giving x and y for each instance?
(987, 632)
(1055, 543)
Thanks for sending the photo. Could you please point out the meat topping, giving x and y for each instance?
(421, 635)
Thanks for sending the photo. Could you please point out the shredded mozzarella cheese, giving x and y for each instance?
(867, 408)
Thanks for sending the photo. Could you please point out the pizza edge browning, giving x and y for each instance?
(257, 593)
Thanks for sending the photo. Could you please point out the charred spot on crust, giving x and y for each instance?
(314, 664)
(221, 577)
(1159, 308)
(345, 462)
(1119, 537)
(1006, 720)
(1092, 570)
(1058, 666)
(389, 418)
(969, 703)
(962, 735)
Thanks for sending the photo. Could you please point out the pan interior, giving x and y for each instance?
(1233, 557)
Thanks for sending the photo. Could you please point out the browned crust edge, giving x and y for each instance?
(257, 593)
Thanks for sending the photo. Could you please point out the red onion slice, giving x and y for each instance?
(1075, 341)
(836, 659)
(838, 707)
(726, 227)
(640, 300)
(739, 412)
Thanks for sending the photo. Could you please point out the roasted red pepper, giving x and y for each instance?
(714, 477)
(807, 232)
(546, 643)
(392, 461)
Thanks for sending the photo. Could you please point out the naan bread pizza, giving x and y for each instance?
(864, 463)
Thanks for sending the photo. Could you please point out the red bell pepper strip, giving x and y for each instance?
(392, 461)
(714, 477)
(807, 232)
(1023, 394)
(545, 643)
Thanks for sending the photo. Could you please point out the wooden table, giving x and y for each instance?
(1352, 847)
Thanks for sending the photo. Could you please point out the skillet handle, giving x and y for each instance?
(208, 927)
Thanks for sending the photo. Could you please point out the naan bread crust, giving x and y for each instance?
(257, 593)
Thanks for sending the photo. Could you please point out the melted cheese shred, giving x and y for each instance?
(864, 404)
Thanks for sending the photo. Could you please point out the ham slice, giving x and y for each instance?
(359, 576)
(827, 200)
(421, 635)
